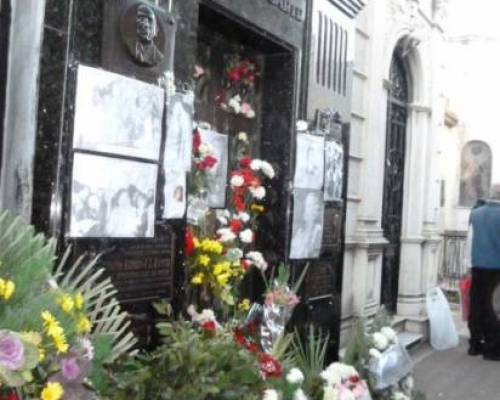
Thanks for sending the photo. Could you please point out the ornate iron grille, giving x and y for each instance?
(394, 181)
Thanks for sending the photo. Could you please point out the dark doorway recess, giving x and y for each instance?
(392, 211)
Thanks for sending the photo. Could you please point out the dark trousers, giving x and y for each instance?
(484, 323)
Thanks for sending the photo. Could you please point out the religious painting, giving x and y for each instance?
(178, 147)
(310, 162)
(118, 115)
(112, 197)
(475, 179)
(334, 170)
(218, 175)
(308, 220)
(174, 194)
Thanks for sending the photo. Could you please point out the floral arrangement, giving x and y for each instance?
(219, 254)
(48, 349)
(240, 75)
(342, 382)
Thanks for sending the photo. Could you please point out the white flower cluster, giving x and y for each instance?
(382, 340)
(264, 167)
(206, 150)
(237, 181)
(258, 193)
(223, 216)
(294, 377)
(257, 259)
(246, 236)
(226, 235)
(337, 372)
(206, 315)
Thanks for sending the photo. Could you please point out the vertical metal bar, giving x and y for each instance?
(325, 49)
(330, 49)
(320, 42)
(336, 61)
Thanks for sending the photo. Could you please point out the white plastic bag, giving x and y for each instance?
(394, 364)
(443, 331)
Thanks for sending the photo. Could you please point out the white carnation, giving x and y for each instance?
(235, 104)
(267, 169)
(256, 258)
(250, 114)
(205, 316)
(243, 137)
(259, 192)
(237, 181)
(255, 164)
(270, 394)
(389, 333)
(374, 353)
(226, 235)
(295, 376)
(243, 217)
(380, 341)
(299, 395)
(246, 236)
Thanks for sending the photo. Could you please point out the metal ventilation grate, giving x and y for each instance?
(331, 54)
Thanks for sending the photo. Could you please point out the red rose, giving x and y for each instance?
(354, 379)
(269, 366)
(234, 75)
(208, 326)
(245, 162)
(201, 166)
(210, 161)
(188, 243)
(235, 226)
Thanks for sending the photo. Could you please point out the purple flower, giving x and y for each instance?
(70, 369)
(11, 351)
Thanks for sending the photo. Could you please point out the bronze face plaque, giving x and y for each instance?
(138, 38)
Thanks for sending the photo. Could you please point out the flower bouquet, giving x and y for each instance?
(342, 382)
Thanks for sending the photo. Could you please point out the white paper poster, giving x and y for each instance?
(310, 161)
(174, 194)
(334, 170)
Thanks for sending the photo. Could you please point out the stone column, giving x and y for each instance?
(16, 186)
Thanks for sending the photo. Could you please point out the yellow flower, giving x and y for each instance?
(79, 301)
(66, 303)
(10, 287)
(257, 208)
(83, 325)
(196, 242)
(211, 246)
(53, 391)
(244, 305)
(197, 279)
(60, 343)
(222, 279)
(48, 320)
(203, 260)
(41, 354)
(222, 268)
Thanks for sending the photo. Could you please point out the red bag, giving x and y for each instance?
(464, 287)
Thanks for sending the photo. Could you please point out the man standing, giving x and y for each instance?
(484, 242)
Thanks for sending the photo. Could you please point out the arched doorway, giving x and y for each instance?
(392, 211)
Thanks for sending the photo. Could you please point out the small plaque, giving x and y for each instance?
(320, 279)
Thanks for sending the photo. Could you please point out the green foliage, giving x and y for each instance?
(191, 365)
(356, 353)
(382, 318)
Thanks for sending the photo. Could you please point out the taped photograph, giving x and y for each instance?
(118, 115)
(180, 109)
(334, 170)
(310, 161)
(174, 194)
(218, 175)
(308, 221)
(119, 203)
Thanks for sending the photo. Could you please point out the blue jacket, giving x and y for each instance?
(485, 221)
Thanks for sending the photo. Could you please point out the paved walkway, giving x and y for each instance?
(454, 375)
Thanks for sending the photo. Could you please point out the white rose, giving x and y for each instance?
(243, 217)
(270, 394)
(299, 395)
(246, 236)
(389, 333)
(259, 192)
(226, 235)
(255, 164)
(243, 137)
(234, 103)
(250, 114)
(330, 393)
(295, 376)
(237, 181)
(374, 353)
(380, 341)
(331, 375)
(302, 126)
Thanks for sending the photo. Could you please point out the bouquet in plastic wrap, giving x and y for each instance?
(342, 382)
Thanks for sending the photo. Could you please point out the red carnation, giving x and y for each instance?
(245, 162)
(354, 379)
(208, 326)
(252, 347)
(239, 337)
(235, 226)
(196, 141)
(239, 203)
(269, 366)
(210, 161)
(188, 243)
(234, 75)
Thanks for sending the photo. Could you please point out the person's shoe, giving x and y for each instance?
(491, 356)
(475, 349)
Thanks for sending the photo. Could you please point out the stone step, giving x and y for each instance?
(410, 340)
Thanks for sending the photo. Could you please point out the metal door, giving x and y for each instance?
(393, 181)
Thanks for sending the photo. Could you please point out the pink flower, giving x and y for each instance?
(11, 351)
(70, 369)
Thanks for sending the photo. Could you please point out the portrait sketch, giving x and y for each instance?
(307, 228)
(142, 32)
(119, 115)
(309, 164)
(218, 175)
(475, 179)
(334, 170)
(112, 197)
(174, 194)
(178, 147)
